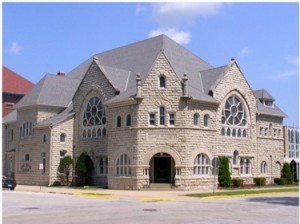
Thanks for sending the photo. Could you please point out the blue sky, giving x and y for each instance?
(40, 38)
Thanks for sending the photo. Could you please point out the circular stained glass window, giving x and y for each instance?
(94, 113)
(234, 112)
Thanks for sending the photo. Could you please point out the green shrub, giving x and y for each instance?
(286, 172)
(238, 182)
(56, 183)
(260, 181)
(280, 181)
(224, 177)
(83, 167)
(65, 166)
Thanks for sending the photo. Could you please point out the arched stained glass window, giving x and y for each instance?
(93, 118)
(234, 117)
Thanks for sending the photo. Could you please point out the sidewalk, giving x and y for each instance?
(143, 195)
(146, 195)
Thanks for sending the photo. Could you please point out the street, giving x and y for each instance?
(34, 208)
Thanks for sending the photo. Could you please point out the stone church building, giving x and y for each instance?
(148, 112)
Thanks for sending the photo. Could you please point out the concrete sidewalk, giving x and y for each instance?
(171, 195)
(143, 195)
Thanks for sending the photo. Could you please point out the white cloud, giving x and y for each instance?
(140, 8)
(177, 13)
(285, 75)
(294, 61)
(195, 8)
(244, 51)
(180, 37)
(15, 48)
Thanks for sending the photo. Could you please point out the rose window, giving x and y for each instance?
(234, 119)
(94, 120)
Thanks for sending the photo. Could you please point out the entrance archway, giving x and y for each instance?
(162, 168)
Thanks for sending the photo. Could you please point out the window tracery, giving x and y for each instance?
(94, 119)
(234, 118)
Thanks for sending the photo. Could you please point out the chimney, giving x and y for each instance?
(61, 73)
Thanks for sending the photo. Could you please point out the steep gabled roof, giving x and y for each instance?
(14, 83)
(52, 90)
(263, 95)
(210, 76)
(10, 118)
(57, 119)
(273, 110)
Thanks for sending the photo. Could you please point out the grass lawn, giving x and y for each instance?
(251, 191)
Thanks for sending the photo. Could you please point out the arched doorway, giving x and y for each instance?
(162, 168)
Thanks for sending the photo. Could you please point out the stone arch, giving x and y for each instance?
(117, 154)
(198, 151)
(241, 96)
(163, 149)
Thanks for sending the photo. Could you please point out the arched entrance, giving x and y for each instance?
(162, 168)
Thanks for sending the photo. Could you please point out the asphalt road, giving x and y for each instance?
(35, 208)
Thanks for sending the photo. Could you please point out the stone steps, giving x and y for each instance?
(160, 186)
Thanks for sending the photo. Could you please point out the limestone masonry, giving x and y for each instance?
(149, 112)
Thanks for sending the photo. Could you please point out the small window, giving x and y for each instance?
(263, 168)
(196, 119)
(162, 81)
(152, 119)
(102, 166)
(44, 162)
(172, 119)
(128, 120)
(27, 158)
(261, 131)
(62, 154)
(245, 166)
(11, 135)
(44, 138)
(62, 137)
(235, 157)
(206, 120)
(119, 121)
(162, 116)
(270, 129)
(123, 167)
(201, 165)
(269, 103)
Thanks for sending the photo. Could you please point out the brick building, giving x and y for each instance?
(149, 112)
(14, 87)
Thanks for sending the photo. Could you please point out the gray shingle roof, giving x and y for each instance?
(10, 118)
(210, 76)
(263, 94)
(52, 90)
(121, 65)
(274, 110)
(57, 119)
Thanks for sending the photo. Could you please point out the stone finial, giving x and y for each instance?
(138, 85)
(95, 58)
(185, 82)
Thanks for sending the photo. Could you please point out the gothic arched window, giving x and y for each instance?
(234, 117)
(93, 117)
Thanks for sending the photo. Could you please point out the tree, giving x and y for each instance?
(286, 173)
(224, 177)
(84, 165)
(65, 166)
